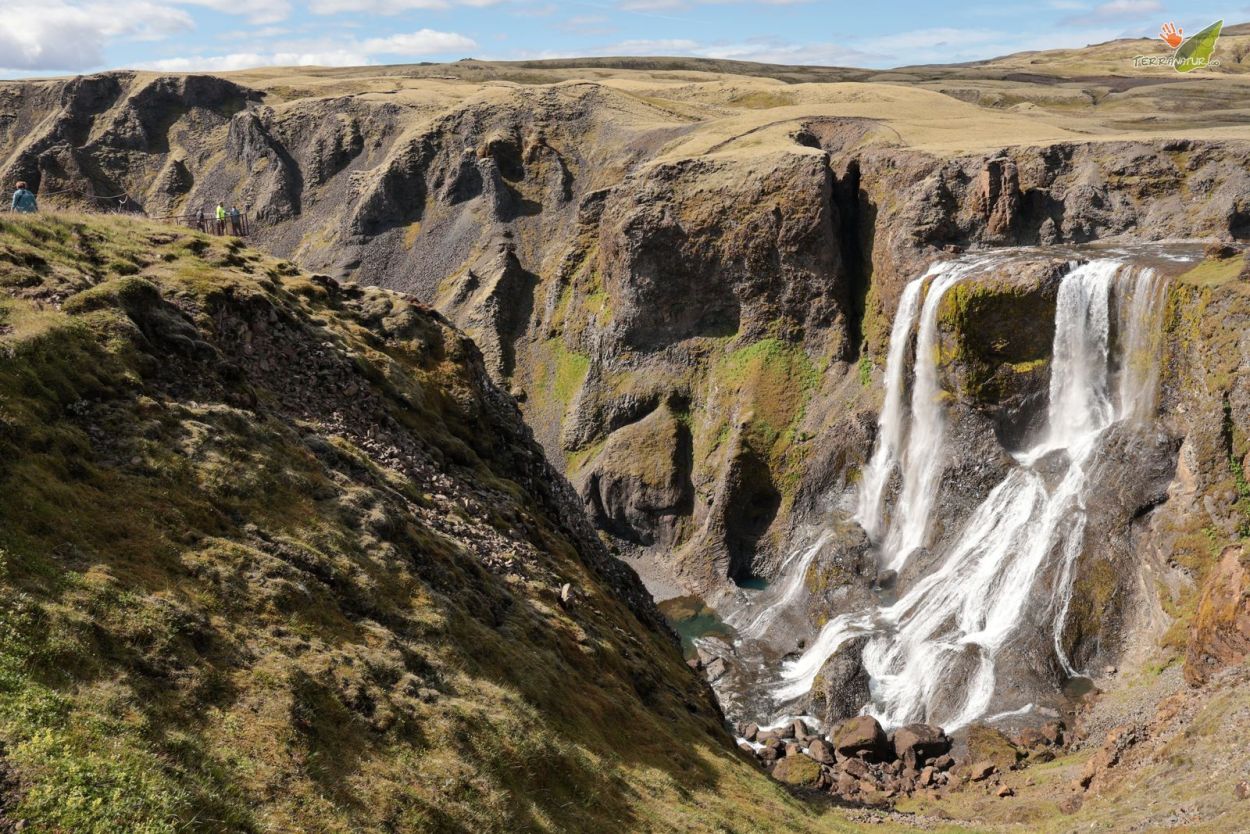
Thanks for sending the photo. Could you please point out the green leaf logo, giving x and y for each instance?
(1195, 52)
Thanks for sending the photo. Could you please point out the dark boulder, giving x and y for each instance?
(855, 768)
(860, 737)
(841, 686)
(821, 751)
(918, 743)
(982, 771)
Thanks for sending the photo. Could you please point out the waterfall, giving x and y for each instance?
(890, 423)
(931, 654)
(1140, 347)
(751, 622)
(923, 457)
(920, 455)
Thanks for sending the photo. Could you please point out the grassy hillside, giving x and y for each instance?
(274, 556)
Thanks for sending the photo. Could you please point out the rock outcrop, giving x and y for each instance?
(1221, 627)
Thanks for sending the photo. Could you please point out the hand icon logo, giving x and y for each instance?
(1171, 35)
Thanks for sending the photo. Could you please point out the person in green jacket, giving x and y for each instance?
(221, 218)
(24, 200)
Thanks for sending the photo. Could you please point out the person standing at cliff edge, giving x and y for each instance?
(221, 218)
(24, 200)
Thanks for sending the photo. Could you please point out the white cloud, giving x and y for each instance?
(343, 53)
(1124, 12)
(535, 10)
(390, 7)
(662, 5)
(250, 60)
(256, 11)
(384, 7)
(58, 35)
(421, 42)
(651, 5)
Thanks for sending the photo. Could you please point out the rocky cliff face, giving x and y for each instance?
(1199, 530)
(629, 273)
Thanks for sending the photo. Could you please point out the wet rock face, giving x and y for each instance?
(996, 336)
(841, 687)
(1134, 469)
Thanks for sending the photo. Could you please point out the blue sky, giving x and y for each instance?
(52, 37)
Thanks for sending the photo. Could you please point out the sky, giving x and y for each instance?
(58, 37)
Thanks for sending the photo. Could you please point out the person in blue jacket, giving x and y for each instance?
(24, 200)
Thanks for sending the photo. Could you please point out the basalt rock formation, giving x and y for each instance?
(623, 257)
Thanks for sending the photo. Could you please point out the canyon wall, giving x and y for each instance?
(694, 325)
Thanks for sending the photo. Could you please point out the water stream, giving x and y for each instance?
(933, 654)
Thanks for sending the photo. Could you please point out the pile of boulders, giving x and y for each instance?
(857, 761)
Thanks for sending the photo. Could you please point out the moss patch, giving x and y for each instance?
(1215, 272)
(768, 385)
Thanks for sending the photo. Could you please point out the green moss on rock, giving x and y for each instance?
(986, 744)
(797, 770)
(997, 333)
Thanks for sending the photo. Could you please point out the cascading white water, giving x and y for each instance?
(931, 655)
(919, 449)
(920, 456)
(1140, 347)
(751, 622)
(923, 458)
(1080, 402)
(1141, 294)
(890, 423)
